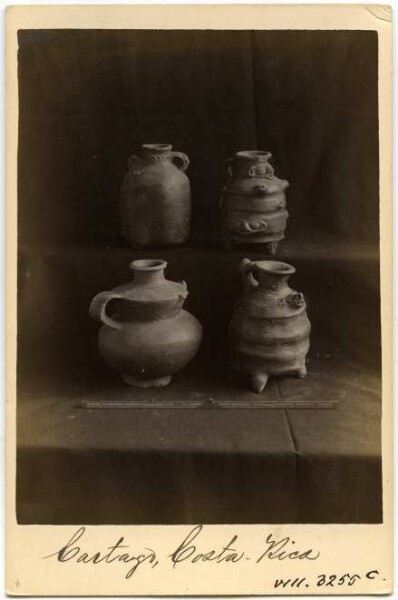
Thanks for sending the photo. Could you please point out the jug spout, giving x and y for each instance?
(148, 271)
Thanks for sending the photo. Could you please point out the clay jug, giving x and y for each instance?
(253, 202)
(269, 331)
(150, 337)
(156, 197)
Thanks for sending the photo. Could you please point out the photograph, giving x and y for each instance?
(199, 313)
(199, 237)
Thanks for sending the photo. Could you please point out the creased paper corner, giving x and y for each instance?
(382, 12)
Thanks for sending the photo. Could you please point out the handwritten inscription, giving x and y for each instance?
(188, 551)
(112, 554)
(280, 549)
(347, 579)
(191, 549)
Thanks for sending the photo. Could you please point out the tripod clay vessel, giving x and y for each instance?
(253, 202)
(269, 331)
(150, 337)
(155, 197)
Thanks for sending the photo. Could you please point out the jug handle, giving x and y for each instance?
(184, 164)
(246, 269)
(132, 161)
(98, 306)
(228, 166)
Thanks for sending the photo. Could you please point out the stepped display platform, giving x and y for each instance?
(212, 460)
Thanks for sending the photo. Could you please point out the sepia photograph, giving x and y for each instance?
(199, 315)
(199, 334)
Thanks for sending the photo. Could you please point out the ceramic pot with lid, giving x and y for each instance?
(150, 337)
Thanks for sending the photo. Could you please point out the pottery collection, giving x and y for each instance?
(253, 202)
(269, 330)
(155, 197)
(150, 337)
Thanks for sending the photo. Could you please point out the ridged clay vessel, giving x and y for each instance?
(150, 337)
(253, 202)
(269, 331)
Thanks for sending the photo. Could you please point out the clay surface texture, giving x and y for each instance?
(253, 202)
(269, 331)
(150, 337)
(156, 197)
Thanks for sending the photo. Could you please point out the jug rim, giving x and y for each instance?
(148, 264)
(254, 154)
(157, 147)
(275, 267)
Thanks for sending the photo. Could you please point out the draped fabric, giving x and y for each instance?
(87, 100)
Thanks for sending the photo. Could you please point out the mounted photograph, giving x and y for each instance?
(202, 246)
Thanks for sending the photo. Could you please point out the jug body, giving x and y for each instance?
(150, 337)
(155, 198)
(253, 202)
(269, 331)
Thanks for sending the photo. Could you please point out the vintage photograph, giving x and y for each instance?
(198, 327)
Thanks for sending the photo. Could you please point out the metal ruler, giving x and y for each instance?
(291, 403)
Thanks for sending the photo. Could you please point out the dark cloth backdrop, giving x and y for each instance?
(87, 100)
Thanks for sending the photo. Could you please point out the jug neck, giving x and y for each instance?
(151, 297)
(272, 275)
(148, 272)
(253, 163)
(154, 152)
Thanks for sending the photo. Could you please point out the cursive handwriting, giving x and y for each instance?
(72, 552)
(188, 551)
(283, 549)
(280, 549)
(191, 550)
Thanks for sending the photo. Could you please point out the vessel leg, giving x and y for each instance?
(270, 247)
(302, 372)
(258, 381)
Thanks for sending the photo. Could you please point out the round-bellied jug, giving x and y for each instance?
(155, 197)
(150, 337)
(253, 202)
(269, 331)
